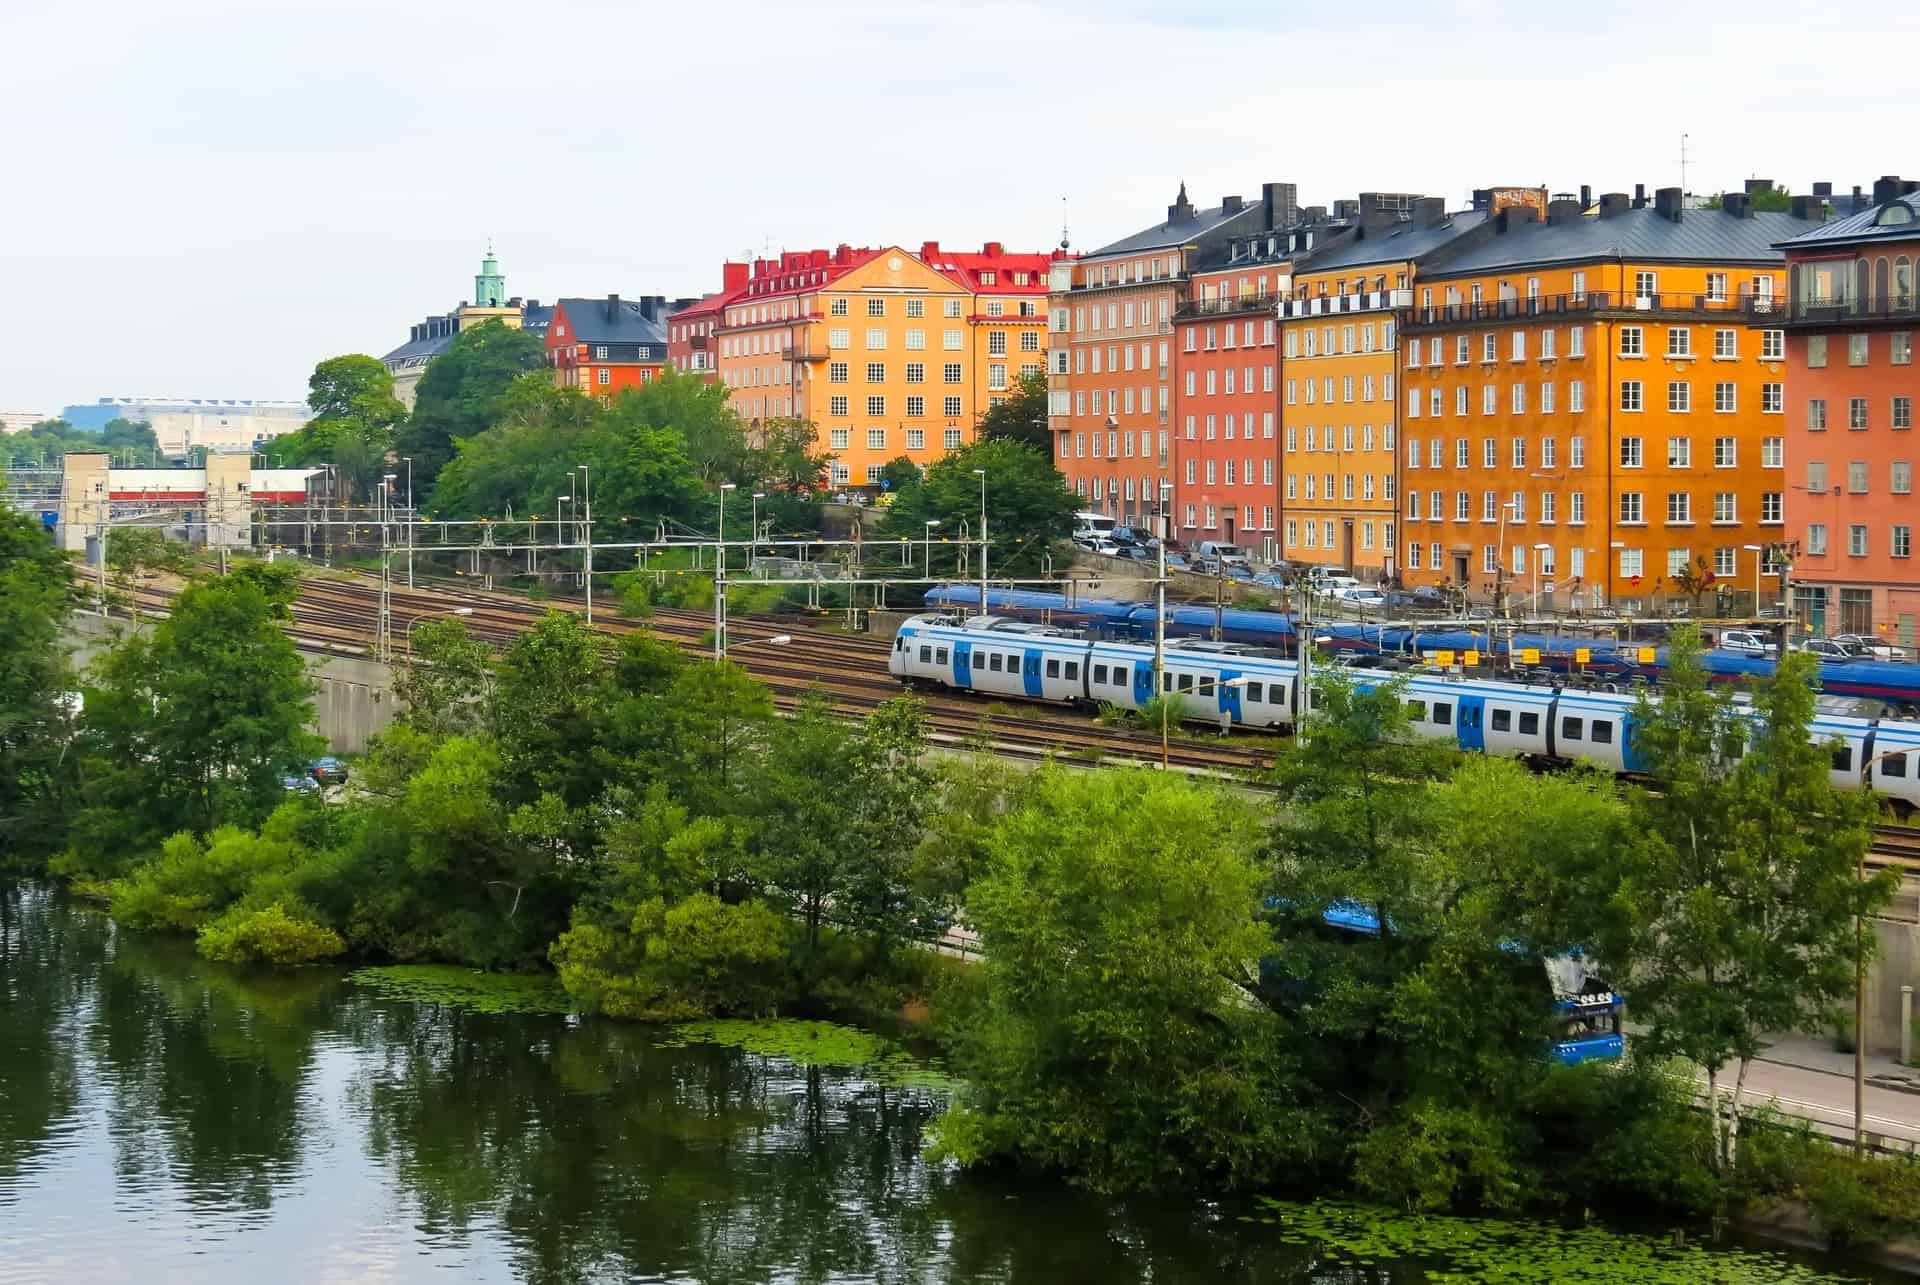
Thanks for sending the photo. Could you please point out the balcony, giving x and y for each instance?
(1333, 305)
(805, 354)
(1226, 305)
(1845, 310)
(1754, 308)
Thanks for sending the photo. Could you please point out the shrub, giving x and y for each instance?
(1433, 1156)
(267, 935)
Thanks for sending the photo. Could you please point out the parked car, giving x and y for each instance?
(1124, 535)
(1134, 553)
(1747, 642)
(299, 785)
(1830, 649)
(1272, 580)
(328, 771)
(1867, 645)
(1230, 554)
(1177, 561)
(1362, 596)
(1332, 585)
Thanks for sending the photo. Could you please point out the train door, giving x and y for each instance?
(1030, 672)
(963, 663)
(1630, 760)
(1470, 722)
(1230, 695)
(1142, 682)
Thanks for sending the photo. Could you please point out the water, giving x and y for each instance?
(164, 1119)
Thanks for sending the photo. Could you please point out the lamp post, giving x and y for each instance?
(982, 475)
(586, 500)
(926, 545)
(429, 615)
(720, 578)
(753, 549)
(1759, 552)
(1500, 563)
(1533, 604)
(1160, 620)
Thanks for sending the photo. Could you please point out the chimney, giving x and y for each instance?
(929, 251)
(1668, 204)
(653, 306)
(1806, 207)
(1283, 204)
(1754, 185)
(993, 249)
(613, 307)
(1482, 198)
(842, 252)
(1231, 205)
(1822, 190)
(732, 276)
(1514, 216)
(1314, 214)
(1346, 208)
(1586, 197)
(1639, 196)
(1736, 204)
(1885, 188)
(1612, 203)
(1563, 210)
(1429, 211)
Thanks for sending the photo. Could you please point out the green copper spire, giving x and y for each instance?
(490, 287)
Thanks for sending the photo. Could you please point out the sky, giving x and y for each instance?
(203, 198)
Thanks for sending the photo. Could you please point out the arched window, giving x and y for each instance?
(1880, 283)
(1859, 285)
(1902, 282)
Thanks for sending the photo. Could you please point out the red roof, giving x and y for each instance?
(798, 270)
(965, 267)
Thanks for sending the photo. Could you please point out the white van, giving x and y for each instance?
(1231, 555)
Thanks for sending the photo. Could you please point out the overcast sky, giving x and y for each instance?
(204, 197)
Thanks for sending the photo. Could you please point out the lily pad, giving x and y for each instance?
(466, 988)
(805, 1043)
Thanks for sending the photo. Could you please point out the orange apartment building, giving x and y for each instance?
(601, 346)
(691, 330)
(1110, 373)
(1226, 482)
(1338, 373)
(1586, 415)
(887, 352)
(1851, 311)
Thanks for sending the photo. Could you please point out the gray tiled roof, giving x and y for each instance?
(535, 318)
(628, 325)
(1858, 228)
(416, 351)
(1395, 242)
(1183, 232)
(1641, 236)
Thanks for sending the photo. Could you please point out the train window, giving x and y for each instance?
(926, 655)
(1503, 720)
(993, 661)
(940, 656)
(1252, 693)
(1529, 725)
(1442, 713)
(1053, 668)
(1600, 733)
(1417, 711)
(1894, 765)
(1073, 669)
(1099, 673)
(1166, 681)
(900, 643)
(1843, 759)
(1206, 684)
(1186, 682)
(1570, 728)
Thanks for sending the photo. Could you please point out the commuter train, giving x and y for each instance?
(1237, 684)
(1609, 665)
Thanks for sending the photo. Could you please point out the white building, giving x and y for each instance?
(182, 423)
(19, 421)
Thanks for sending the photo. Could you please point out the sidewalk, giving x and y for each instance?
(1820, 1055)
(1807, 1078)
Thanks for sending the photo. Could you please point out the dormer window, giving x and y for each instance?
(1894, 214)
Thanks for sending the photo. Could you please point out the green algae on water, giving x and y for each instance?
(466, 988)
(1526, 1253)
(826, 1044)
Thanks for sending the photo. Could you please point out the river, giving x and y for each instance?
(164, 1119)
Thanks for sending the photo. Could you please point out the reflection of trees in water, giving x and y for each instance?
(206, 1067)
(43, 958)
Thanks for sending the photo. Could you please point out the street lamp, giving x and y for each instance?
(720, 577)
(926, 566)
(1500, 563)
(428, 615)
(754, 548)
(1533, 604)
(1759, 556)
(586, 501)
(562, 501)
(982, 475)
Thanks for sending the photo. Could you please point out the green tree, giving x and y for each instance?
(1029, 508)
(786, 458)
(193, 724)
(446, 684)
(354, 389)
(462, 392)
(1021, 418)
(35, 722)
(1106, 1032)
(1734, 910)
(713, 728)
(899, 473)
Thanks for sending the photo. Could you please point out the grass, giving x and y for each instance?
(466, 988)
(824, 1044)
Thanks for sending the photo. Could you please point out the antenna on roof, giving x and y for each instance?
(1064, 243)
(1683, 167)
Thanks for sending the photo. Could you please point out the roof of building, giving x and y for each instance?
(1393, 242)
(1194, 225)
(1645, 235)
(966, 267)
(614, 320)
(705, 306)
(535, 317)
(798, 270)
(1881, 223)
(414, 351)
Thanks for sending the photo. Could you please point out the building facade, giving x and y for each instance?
(691, 330)
(603, 346)
(428, 339)
(1586, 420)
(1110, 374)
(1850, 316)
(183, 423)
(889, 353)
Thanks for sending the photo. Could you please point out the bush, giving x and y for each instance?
(267, 935)
(190, 882)
(1433, 1156)
(1862, 1200)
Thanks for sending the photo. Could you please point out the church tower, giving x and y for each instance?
(490, 287)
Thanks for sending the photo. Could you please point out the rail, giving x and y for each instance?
(1744, 304)
(1841, 309)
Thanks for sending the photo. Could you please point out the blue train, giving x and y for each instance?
(1240, 684)
(1608, 664)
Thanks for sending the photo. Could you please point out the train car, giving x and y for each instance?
(1013, 658)
(1893, 763)
(1100, 615)
(1229, 682)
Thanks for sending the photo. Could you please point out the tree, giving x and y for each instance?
(1021, 418)
(354, 389)
(786, 458)
(1735, 909)
(1694, 579)
(35, 723)
(462, 392)
(1106, 1031)
(446, 684)
(898, 473)
(1029, 508)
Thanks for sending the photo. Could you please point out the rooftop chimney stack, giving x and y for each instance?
(1612, 203)
(1668, 204)
(1586, 197)
(1639, 196)
(1283, 204)
(1737, 204)
(1231, 205)
(613, 307)
(1885, 188)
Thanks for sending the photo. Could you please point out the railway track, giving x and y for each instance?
(340, 617)
(1895, 846)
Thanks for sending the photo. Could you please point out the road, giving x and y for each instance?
(1825, 1097)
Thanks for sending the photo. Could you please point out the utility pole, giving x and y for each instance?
(982, 475)
(720, 579)
(1159, 622)
(586, 499)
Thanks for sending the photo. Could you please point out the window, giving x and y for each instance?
(951, 437)
(1856, 413)
(1489, 348)
(1519, 403)
(1717, 286)
(1679, 452)
(1645, 285)
(916, 407)
(1900, 347)
(876, 339)
(1725, 507)
(1857, 540)
(876, 405)
(916, 437)
(1519, 452)
(1632, 562)
(1726, 344)
(837, 405)
(876, 439)
(1577, 396)
(916, 372)
(1856, 350)
(1903, 412)
(1489, 453)
(1630, 395)
(838, 308)
(1577, 335)
(1770, 507)
(950, 406)
(1546, 399)
(1902, 542)
(997, 343)
(603, 376)
(1901, 481)
(1772, 450)
(838, 438)
(1680, 507)
(916, 307)
(1632, 454)
(1816, 414)
(837, 372)
(1857, 477)
(1723, 398)
(1725, 561)
(1679, 396)
(1679, 341)
(876, 307)
(1489, 399)
(1773, 345)
(1772, 399)
(955, 340)
(1816, 351)
(1632, 341)
(1632, 511)
(876, 372)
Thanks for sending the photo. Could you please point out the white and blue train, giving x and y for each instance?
(1237, 684)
